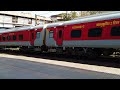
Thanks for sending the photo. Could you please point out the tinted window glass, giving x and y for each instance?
(38, 34)
(51, 34)
(8, 38)
(95, 32)
(14, 37)
(32, 35)
(60, 34)
(3, 38)
(20, 37)
(115, 31)
(76, 33)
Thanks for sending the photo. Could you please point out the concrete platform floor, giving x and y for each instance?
(21, 67)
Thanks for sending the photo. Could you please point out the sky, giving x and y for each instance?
(45, 13)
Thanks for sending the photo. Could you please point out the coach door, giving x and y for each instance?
(59, 35)
(32, 36)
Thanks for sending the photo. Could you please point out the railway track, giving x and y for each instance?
(101, 61)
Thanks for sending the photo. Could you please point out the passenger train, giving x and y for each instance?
(93, 35)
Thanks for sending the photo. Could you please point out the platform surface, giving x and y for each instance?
(16, 68)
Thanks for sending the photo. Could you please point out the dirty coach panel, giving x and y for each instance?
(39, 35)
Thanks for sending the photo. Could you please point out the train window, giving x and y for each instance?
(60, 34)
(8, 38)
(95, 32)
(20, 37)
(38, 34)
(3, 38)
(51, 34)
(14, 37)
(76, 33)
(32, 35)
(115, 31)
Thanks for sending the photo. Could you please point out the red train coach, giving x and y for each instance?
(25, 38)
(97, 34)
(91, 35)
(17, 37)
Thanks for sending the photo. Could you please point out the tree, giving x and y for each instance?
(83, 13)
(94, 12)
(69, 16)
(73, 14)
(65, 16)
(87, 13)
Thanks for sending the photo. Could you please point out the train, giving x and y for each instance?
(91, 36)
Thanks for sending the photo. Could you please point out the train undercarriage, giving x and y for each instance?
(78, 51)
(84, 52)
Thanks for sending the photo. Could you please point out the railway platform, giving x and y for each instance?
(22, 67)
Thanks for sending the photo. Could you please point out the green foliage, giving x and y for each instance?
(68, 16)
(95, 12)
(74, 14)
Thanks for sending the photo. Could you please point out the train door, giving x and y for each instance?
(59, 35)
(32, 37)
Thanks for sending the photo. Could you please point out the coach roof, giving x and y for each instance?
(39, 26)
(54, 24)
(17, 29)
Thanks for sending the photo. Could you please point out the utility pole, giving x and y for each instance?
(3, 20)
(66, 15)
(35, 19)
(81, 14)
